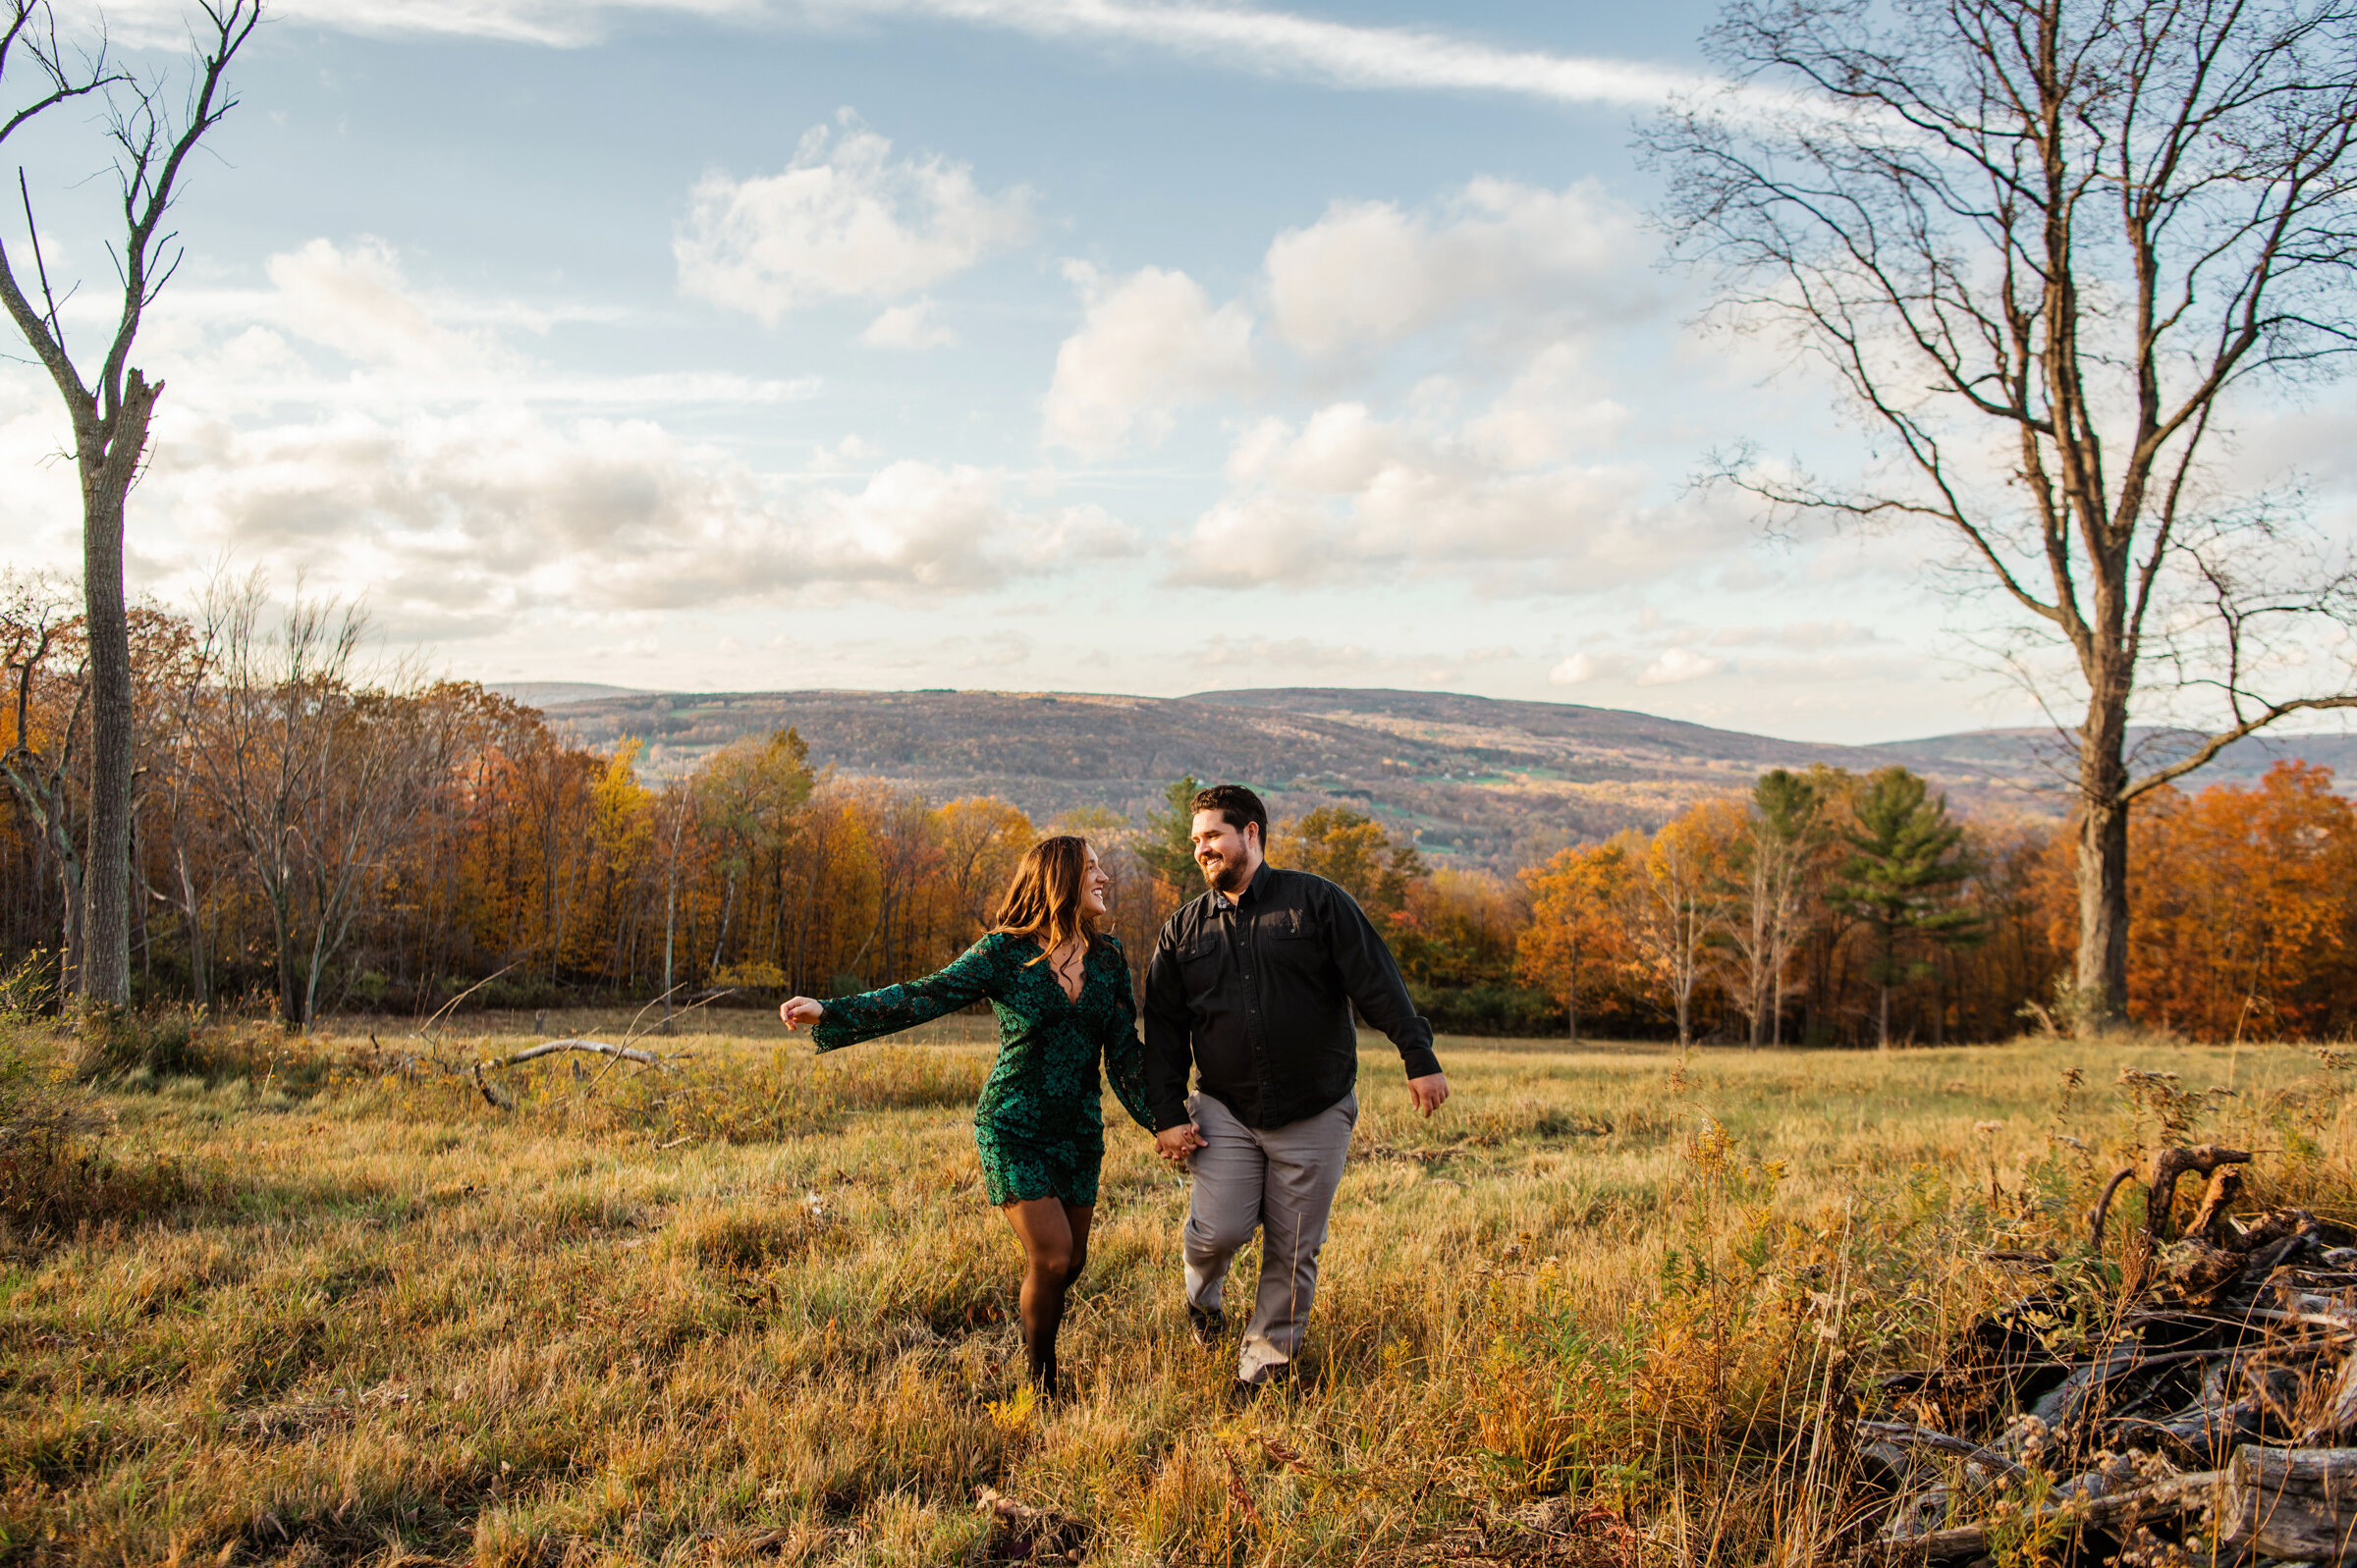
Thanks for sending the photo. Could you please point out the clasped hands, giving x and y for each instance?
(1173, 1144)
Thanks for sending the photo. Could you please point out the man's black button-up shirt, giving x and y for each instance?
(1254, 994)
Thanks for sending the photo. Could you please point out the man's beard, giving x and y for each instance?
(1228, 877)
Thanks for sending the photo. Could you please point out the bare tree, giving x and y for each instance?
(316, 779)
(34, 625)
(1772, 862)
(192, 860)
(152, 139)
(2050, 247)
(1677, 909)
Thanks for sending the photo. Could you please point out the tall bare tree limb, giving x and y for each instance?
(2053, 250)
(110, 412)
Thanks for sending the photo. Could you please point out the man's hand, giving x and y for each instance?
(1428, 1091)
(1174, 1144)
(800, 1010)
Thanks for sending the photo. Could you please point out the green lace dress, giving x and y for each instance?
(1040, 1125)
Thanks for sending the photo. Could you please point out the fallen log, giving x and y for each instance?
(599, 1047)
(2339, 1413)
(2171, 1498)
(1900, 1432)
(2228, 1340)
(499, 1098)
(2295, 1503)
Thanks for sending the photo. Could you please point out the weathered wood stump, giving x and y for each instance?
(2295, 1503)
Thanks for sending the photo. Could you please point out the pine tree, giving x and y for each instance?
(1168, 845)
(1904, 863)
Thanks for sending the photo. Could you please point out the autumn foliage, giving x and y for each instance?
(312, 841)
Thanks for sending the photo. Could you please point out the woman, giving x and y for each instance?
(1061, 988)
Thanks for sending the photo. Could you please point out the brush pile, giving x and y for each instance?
(2202, 1420)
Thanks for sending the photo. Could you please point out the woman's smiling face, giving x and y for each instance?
(1094, 884)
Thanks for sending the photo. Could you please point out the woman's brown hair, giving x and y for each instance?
(1043, 899)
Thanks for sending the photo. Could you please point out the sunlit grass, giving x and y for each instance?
(756, 1306)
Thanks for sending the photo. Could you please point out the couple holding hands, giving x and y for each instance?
(1250, 988)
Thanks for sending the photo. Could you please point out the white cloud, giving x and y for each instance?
(1677, 666)
(438, 470)
(1554, 407)
(1369, 273)
(354, 301)
(1346, 494)
(344, 325)
(908, 326)
(492, 512)
(1149, 345)
(844, 220)
(1582, 669)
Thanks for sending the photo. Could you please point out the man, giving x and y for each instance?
(1251, 986)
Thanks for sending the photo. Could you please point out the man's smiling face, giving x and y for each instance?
(1224, 850)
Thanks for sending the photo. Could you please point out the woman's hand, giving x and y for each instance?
(800, 1010)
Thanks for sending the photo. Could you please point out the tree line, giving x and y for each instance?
(2050, 365)
(308, 839)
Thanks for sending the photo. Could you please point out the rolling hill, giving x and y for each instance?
(1478, 781)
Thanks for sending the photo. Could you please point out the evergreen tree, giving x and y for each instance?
(1168, 845)
(1903, 868)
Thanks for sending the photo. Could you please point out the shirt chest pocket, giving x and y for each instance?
(1201, 967)
(1292, 943)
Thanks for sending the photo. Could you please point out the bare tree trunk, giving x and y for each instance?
(45, 783)
(198, 980)
(1572, 992)
(670, 927)
(2103, 866)
(110, 412)
(106, 865)
(728, 910)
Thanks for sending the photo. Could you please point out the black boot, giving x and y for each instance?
(1209, 1323)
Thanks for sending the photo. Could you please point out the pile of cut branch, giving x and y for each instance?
(2203, 1418)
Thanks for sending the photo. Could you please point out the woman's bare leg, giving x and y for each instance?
(1054, 1237)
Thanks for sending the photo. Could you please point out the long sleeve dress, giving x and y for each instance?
(1039, 1124)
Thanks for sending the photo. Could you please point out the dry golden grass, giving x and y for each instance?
(754, 1309)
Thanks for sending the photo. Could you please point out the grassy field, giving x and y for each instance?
(322, 1304)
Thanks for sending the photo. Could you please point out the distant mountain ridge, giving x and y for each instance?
(557, 693)
(1479, 780)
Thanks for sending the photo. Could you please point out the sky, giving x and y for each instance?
(1035, 345)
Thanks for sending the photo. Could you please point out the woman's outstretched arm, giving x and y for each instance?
(847, 1020)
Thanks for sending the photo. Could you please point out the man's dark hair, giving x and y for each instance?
(1238, 804)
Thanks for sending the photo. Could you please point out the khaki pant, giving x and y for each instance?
(1281, 1182)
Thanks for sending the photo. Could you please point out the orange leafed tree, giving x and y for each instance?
(1677, 905)
(2245, 901)
(1576, 946)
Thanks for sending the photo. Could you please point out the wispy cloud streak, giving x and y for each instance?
(1278, 43)
(1260, 42)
